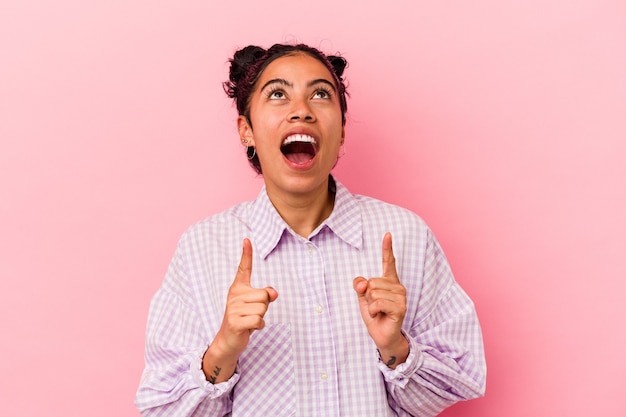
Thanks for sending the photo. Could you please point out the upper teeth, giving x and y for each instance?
(298, 138)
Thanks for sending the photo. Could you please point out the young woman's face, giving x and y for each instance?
(297, 127)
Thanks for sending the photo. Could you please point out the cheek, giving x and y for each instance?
(266, 122)
(337, 130)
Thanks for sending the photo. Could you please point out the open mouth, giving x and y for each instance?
(299, 149)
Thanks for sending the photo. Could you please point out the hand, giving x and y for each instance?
(383, 306)
(245, 308)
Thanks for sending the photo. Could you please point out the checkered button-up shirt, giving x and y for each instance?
(314, 357)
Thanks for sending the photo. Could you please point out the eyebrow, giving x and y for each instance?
(321, 81)
(286, 83)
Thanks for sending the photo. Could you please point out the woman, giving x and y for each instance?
(320, 318)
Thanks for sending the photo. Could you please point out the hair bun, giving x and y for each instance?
(242, 60)
(339, 64)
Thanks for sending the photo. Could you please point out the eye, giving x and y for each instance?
(322, 93)
(276, 94)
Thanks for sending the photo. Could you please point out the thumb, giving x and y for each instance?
(244, 271)
(272, 294)
(389, 261)
(360, 286)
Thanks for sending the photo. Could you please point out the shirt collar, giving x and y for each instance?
(345, 220)
(268, 227)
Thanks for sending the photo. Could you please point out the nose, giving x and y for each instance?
(301, 112)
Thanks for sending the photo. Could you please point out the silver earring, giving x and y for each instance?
(244, 141)
(250, 157)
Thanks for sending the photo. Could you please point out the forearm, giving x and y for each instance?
(433, 378)
(218, 365)
(173, 381)
(428, 383)
(180, 389)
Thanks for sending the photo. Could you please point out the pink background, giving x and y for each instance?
(503, 124)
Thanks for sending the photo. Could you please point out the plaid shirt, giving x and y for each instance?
(314, 357)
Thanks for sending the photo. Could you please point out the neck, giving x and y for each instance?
(304, 212)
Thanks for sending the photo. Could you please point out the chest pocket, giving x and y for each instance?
(266, 386)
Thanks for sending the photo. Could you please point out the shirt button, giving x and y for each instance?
(324, 376)
(310, 250)
(319, 309)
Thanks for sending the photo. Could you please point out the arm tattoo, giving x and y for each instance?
(391, 361)
(213, 377)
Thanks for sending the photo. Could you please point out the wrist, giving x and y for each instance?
(395, 354)
(215, 353)
(217, 365)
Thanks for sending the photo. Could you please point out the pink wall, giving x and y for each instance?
(502, 123)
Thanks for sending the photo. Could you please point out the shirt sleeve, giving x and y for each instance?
(446, 363)
(173, 383)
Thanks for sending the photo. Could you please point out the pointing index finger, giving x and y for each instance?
(389, 261)
(244, 271)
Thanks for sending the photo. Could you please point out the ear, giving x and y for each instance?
(245, 131)
(343, 134)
